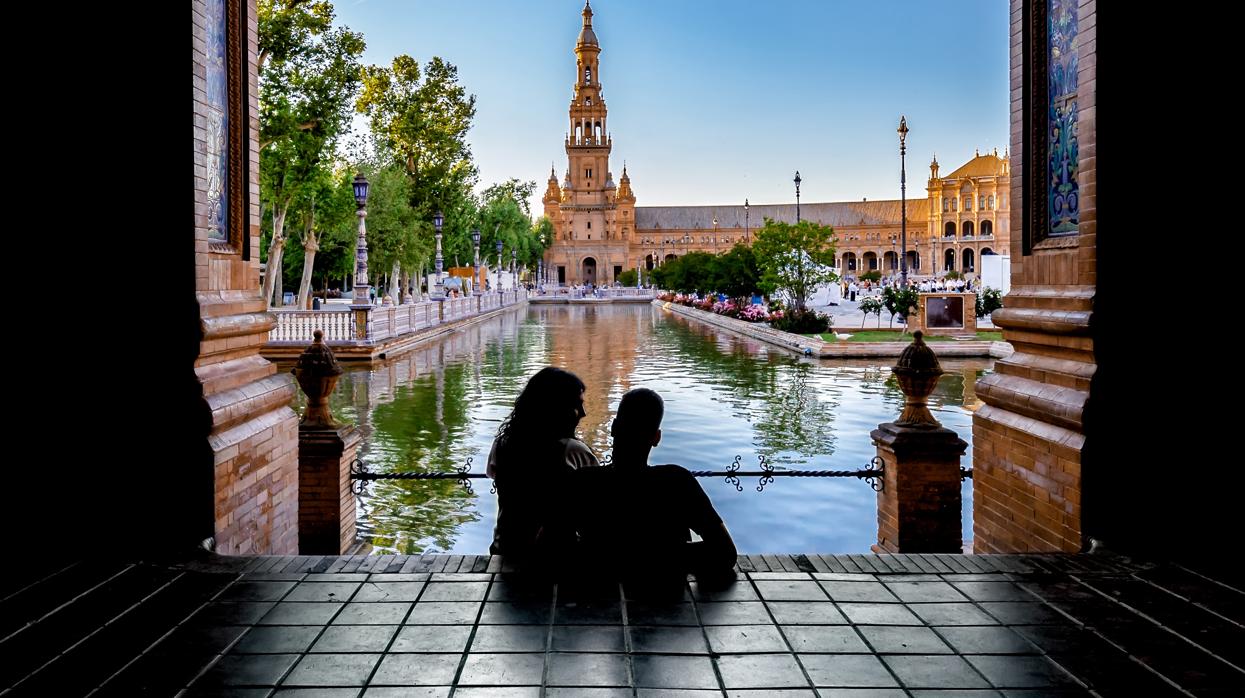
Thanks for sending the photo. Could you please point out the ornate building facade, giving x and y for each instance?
(599, 231)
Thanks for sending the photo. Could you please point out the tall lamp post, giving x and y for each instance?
(797, 196)
(903, 200)
(514, 269)
(747, 235)
(437, 219)
(475, 240)
(715, 234)
(498, 257)
(361, 296)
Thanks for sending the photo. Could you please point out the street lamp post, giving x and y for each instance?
(514, 269)
(361, 296)
(437, 219)
(715, 234)
(747, 235)
(498, 258)
(903, 199)
(797, 196)
(475, 240)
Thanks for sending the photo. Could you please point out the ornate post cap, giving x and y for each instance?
(317, 373)
(918, 371)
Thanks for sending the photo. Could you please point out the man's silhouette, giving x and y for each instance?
(635, 519)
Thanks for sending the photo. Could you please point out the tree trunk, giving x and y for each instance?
(272, 279)
(310, 246)
(406, 285)
(395, 282)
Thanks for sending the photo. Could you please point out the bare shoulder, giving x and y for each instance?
(579, 455)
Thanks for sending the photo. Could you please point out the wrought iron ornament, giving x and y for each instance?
(877, 466)
(731, 478)
(767, 468)
(872, 474)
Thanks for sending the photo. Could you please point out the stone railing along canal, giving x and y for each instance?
(379, 325)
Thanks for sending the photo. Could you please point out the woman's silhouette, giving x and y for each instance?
(534, 452)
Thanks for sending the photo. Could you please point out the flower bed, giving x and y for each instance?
(729, 308)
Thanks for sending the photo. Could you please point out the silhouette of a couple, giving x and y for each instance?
(559, 511)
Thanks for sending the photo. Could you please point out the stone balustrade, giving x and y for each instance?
(298, 325)
(382, 323)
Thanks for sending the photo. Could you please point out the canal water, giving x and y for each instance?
(437, 407)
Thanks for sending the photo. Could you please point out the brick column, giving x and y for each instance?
(919, 505)
(326, 502)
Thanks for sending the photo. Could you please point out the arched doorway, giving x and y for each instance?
(588, 273)
(849, 261)
(987, 229)
(968, 229)
(968, 261)
(948, 230)
(890, 261)
(870, 261)
(648, 262)
(669, 257)
(914, 260)
(948, 260)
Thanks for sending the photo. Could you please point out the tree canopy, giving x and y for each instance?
(795, 258)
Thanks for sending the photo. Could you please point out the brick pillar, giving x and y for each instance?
(919, 505)
(326, 503)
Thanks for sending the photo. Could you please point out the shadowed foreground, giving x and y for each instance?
(1010, 625)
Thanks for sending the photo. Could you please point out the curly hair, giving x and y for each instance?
(537, 421)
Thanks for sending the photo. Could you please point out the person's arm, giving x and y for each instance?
(715, 553)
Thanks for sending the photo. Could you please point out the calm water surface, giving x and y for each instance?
(440, 405)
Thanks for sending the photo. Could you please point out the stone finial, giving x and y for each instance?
(317, 373)
(918, 371)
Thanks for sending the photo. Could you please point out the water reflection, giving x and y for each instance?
(435, 407)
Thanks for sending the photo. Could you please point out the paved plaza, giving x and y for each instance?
(441, 625)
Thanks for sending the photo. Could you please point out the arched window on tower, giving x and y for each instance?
(588, 76)
(946, 204)
(992, 202)
(588, 101)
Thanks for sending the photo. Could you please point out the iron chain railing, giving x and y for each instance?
(871, 473)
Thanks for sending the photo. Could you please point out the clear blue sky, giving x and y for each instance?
(711, 102)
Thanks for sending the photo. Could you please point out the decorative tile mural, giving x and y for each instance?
(1062, 200)
(216, 146)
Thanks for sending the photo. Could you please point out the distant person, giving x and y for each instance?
(534, 453)
(635, 520)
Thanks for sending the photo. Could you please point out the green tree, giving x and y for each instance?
(326, 207)
(795, 258)
(628, 277)
(871, 304)
(395, 235)
(515, 189)
(542, 238)
(287, 28)
(309, 75)
(872, 275)
(504, 216)
(420, 118)
(988, 301)
(901, 301)
(737, 273)
(691, 273)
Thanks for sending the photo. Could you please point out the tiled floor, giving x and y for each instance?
(1013, 626)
